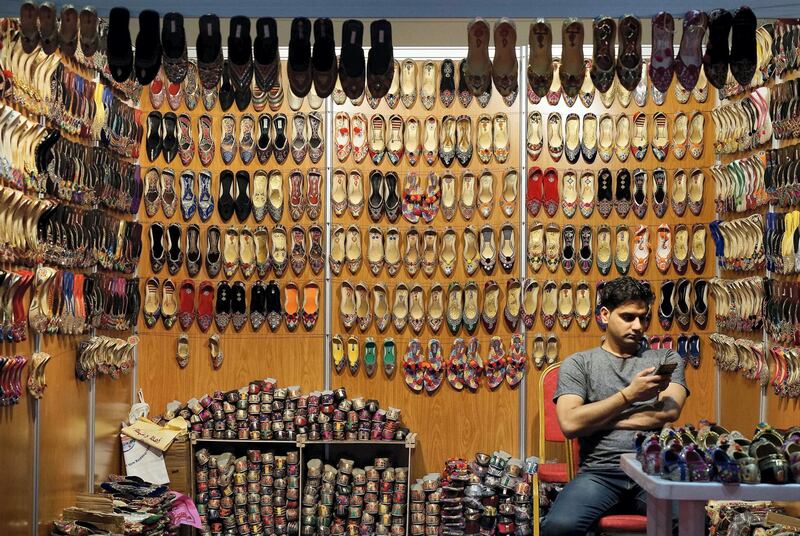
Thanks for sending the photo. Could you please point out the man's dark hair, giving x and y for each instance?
(626, 289)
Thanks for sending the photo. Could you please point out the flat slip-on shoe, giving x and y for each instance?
(148, 47)
(572, 70)
(505, 68)
(743, 55)
(690, 56)
(717, 54)
(323, 60)
(540, 63)
(603, 61)
(209, 51)
(447, 84)
(240, 61)
(629, 60)
(119, 48)
(662, 62)
(478, 66)
(380, 60)
(266, 59)
(298, 66)
(173, 41)
(352, 66)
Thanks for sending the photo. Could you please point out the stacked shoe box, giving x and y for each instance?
(264, 411)
(251, 495)
(426, 495)
(313, 510)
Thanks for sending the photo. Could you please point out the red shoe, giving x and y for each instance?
(551, 199)
(535, 192)
(186, 312)
(205, 306)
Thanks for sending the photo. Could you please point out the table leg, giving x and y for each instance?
(691, 517)
(659, 517)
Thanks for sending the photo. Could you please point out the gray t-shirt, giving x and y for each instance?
(597, 374)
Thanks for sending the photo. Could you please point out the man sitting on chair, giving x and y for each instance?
(606, 395)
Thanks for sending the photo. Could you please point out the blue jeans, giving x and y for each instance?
(590, 496)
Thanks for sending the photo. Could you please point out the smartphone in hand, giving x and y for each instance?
(665, 369)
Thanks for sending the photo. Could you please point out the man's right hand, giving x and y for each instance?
(645, 386)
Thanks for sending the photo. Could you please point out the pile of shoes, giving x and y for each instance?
(739, 244)
(743, 125)
(741, 185)
(745, 355)
(256, 494)
(739, 303)
(264, 411)
(104, 355)
(712, 453)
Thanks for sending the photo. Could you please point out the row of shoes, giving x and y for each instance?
(229, 304)
(686, 344)
(170, 135)
(683, 300)
(713, 453)
(739, 244)
(451, 138)
(786, 377)
(783, 110)
(744, 124)
(745, 355)
(423, 251)
(780, 176)
(245, 250)
(11, 379)
(588, 137)
(465, 367)
(785, 46)
(587, 192)
(267, 196)
(738, 303)
(47, 87)
(182, 351)
(782, 242)
(422, 199)
(766, 63)
(36, 381)
(100, 355)
(13, 314)
(72, 303)
(676, 247)
(740, 185)
(780, 311)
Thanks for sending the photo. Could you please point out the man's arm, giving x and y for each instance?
(668, 409)
(579, 419)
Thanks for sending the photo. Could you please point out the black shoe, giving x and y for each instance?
(170, 143)
(226, 91)
(174, 249)
(154, 134)
(222, 310)
(258, 305)
(683, 305)
(243, 202)
(238, 305)
(194, 259)
(447, 83)
(299, 67)
(274, 308)
(157, 253)
(715, 59)
(375, 204)
(266, 60)
(352, 67)
(622, 195)
(280, 141)
(743, 56)
(225, 204)
(380, 61)
(119, 51)
(323, 61)
(173, 38)
(264, 143)
(209, 51)
(213, 254)
(391, 200)
(148, 47)
(240, 61)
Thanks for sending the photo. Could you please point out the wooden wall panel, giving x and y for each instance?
(16, 451)
(292, 358)
(112, 404)
(701, 403)
(63, 432)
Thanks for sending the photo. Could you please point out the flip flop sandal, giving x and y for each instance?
(413, 367)
(433, 367)
(455, 364)
(472, 365)
(389, 356)
(370, 356)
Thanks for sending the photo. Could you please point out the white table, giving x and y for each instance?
(692, 498)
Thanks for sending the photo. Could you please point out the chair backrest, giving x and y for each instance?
(549, 429)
